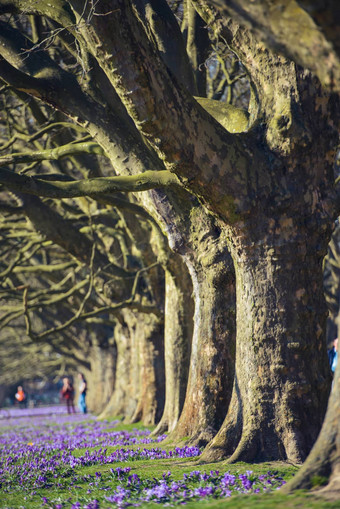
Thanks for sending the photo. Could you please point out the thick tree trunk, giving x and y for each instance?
(150, 332)
(212, 355)
(332, 284)
(323, 463)
(177, 340)
(139, 384)
(282, 377)
(3, 394)
(101, 377)
(123, 401)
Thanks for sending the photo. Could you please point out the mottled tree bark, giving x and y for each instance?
(323, 464)
(211, 362)
(282, 376)
(101, 377)
(123, 401)
(139, 382)
(198, 45)
(177, 340)
(277, 246)
(169, 40)
(212, 354)
(306, 31)
(135, 158)
(150, 405)
(332, 284)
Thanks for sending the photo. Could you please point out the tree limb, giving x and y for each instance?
(116, 132)
(169, 40)
(58, 10)
(197, 46)
(162, 111)
(9, 209)
(43, 268)
(89, 187)
(290, 29)
(30, 138)
(52, 154)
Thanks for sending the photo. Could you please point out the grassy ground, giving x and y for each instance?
(85, 484)
(155, 469)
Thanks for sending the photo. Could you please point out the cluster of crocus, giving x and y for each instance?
(43, 456)
(37, 453)
(132, 490)
(194, 486)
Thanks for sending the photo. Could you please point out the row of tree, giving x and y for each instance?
(168, 198)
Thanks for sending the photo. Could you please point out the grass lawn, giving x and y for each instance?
(71, 462)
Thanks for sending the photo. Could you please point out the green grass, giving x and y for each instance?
(149, 469)
(122, 426)
(73, 484)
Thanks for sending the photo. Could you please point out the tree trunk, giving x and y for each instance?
(123, 401)
(101, 377)
(139, 384)
(212, 355)
(3, 394)
(323, 463)
(331, 283)
(282, 376)
(150, 332)
(177, 341)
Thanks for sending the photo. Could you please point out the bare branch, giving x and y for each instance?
(30, 138)
(43, 268)
(130, 303)
(89, 187)
(19, 256)
(4, 208)
(52, 154)
(58, 10)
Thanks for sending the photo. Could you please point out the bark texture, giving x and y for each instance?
(213, 344)
(195, 236)
(150, 350)
(282, 377)
(306, 31)
(139, 389)
(123, 401)
(177, 341)
(323, 464)
(277, 245)
(101, 377)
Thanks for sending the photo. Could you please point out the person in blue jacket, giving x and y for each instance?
(82, 393)
(333, 355)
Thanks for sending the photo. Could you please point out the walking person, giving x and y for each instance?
(333, 355)
(82, 393)
(20, 397)
(67, 392)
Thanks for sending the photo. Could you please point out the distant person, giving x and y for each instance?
(333, 355)
(67, 393)
(20, 396)
(82, 393)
